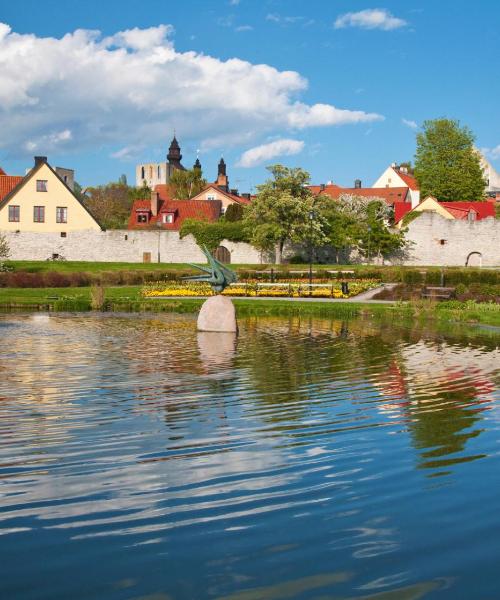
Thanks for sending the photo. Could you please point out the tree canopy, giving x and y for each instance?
(279, 212)
(187, 184)
(111, 203)
(447, 166)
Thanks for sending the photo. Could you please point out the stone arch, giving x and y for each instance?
(222, 254)
(474, 259)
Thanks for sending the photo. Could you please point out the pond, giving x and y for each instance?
(311, 459)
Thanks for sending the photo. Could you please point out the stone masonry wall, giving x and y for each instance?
(119, 246)
(433, 241)
(448, 242)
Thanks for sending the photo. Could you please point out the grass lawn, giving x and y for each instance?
(128, 298)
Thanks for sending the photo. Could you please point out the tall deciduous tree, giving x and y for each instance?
(279, 212)
(4, 251)
(111, 204)
(447, 166)
(187, 184)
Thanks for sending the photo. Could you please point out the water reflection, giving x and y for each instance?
(291, 463)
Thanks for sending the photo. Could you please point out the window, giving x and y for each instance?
(169, 218)
(142, 218)
(63, 234)
(211, 197)
(41, 185)
(142, 173)
(14, 213)
(159, 173)
(471, 215)
(61, 214)
(39, 214)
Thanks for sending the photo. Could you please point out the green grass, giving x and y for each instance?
(128, 298)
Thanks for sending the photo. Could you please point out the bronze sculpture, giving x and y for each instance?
(219, 276)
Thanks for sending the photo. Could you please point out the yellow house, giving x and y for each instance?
(42, 202)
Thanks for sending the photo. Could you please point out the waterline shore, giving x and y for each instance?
(129, 299)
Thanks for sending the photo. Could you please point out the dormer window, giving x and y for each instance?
(471, 215)
(41, 185)
(142, 218)
(168, 218)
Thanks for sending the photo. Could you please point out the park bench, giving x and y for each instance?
(438, 293)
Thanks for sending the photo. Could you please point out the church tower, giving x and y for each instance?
(174, 158)
(222, 179)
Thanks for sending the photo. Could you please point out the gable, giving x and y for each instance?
(28, 194)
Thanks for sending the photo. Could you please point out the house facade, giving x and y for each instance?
(396, 177)
(41, 202)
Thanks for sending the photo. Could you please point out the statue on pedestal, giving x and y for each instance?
(217, 313)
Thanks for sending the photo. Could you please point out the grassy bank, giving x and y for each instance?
(128, 298)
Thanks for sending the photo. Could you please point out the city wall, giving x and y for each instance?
(433, 240)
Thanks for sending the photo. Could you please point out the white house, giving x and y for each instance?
(396, 176)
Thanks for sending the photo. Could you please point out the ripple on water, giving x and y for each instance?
(308, 458)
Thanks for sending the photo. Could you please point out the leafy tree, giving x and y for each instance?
(4, 252)
(361, 224)
(187, 184)
(234, 212)
(447, 166)
(279, 212)
(110, 204)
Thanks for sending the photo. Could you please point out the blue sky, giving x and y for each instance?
(101, 102)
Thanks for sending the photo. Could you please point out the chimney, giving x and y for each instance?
(40, 160)
(357, 183)
(234, 192)
(403, 170)
(321, 187)
(155, 203)
(247, 196)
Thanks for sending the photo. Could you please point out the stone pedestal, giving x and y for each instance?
(218, 314)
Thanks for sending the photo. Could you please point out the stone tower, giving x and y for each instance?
(174, 158)
(222, 179)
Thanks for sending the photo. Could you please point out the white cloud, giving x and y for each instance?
(234, 2)
(493, 153)
(284, 20)
(259, 154)
(244, 28)
(371, 18)
(133, 88)
(409, 123)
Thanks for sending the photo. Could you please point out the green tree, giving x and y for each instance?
(359, 224)
(447, 166)
(187, 184)
(110, 204)
(279, 212)
(4, 252)
(234, 212)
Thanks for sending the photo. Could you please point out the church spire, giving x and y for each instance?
(174, 155)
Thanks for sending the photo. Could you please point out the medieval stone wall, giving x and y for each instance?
(433, 241)
(438, 241)
(119, 246)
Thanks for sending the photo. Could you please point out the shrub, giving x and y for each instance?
(98, 297)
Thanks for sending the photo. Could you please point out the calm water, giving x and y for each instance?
(312, 460)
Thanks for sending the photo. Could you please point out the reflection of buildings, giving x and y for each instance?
(441, 390)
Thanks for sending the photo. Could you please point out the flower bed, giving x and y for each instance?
(295, 288)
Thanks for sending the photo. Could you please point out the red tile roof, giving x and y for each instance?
(400, 210)
(165, 191)
(8, 183)
(2, 172)
(410, 181)
(460, 210)
(204, 210)
(389, 195)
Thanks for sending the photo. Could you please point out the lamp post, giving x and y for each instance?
(159, 225)
(369, 243)
(312, 216)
